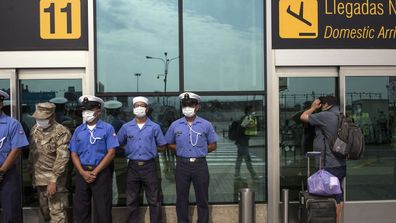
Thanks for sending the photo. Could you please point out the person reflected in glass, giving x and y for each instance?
(248, 128)
(113, 108)
(60, 111)
(93, 148)
(363, 120)
(113, 111)
(142, 139)
(192, 137)
(27, 118)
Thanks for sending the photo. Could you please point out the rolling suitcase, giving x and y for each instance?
(316, 209)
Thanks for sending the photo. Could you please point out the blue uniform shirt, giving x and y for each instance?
(191, 141)
(141, 144)
(12, 136)
(92, 148)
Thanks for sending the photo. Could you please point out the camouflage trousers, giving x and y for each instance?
(53, 209)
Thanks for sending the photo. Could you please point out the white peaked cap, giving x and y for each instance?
(140, 99)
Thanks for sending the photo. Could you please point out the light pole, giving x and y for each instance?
(166, 62)
(137, 81)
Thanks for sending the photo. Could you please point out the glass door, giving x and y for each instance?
(7, 85)
(370, 100)
(61, 87)
(298, 87)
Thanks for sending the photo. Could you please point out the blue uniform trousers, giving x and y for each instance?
(143, 174)
(197, 172)
(101, 192)
(10, 196)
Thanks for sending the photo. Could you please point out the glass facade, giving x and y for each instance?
(370, 102)
(137, 46)
(221, 50)
(5, 86)
(223, 45)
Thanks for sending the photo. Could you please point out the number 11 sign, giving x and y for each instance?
(60, 19)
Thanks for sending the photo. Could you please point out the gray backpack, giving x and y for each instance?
(349, 141)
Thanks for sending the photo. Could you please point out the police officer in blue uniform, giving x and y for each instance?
(142, 139)
(192, 137)
(92, 150)
(12, 141)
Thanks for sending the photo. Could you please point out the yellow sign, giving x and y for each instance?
(60, 19)
(298, 19)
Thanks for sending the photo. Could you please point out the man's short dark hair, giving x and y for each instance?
(329, 99)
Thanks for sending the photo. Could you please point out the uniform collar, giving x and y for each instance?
(183, 120)
(99, 125)
(147, 123)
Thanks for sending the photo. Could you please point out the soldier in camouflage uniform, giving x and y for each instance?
(48, 160)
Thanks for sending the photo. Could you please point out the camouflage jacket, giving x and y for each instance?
(49, 154)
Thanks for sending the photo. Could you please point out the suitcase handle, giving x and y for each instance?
(314, 154)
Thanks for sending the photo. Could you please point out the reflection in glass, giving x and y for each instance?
(141, 28)
(370, 102)
(67, 113)
(221, 112)
(296, 138)
(233, 59)
(5, 86)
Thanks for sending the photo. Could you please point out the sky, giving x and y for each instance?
(222, 45)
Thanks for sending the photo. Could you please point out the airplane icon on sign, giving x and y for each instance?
(298, 19)
(300, 15)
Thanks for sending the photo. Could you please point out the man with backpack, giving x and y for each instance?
(325, 122)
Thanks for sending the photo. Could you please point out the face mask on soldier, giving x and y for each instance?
(43, 123)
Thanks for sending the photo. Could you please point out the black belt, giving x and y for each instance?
(141, 162)
(191, 159)
(88, 167)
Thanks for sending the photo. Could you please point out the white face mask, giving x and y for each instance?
(140, 112)
(88, 116)
(43, 123)
(188, 111)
